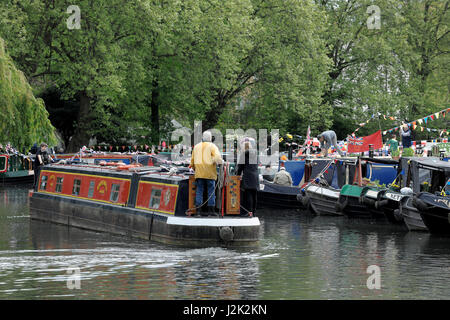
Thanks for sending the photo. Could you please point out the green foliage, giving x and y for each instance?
(134, 67)
(23, 118)
(408, 152)
(395, 153)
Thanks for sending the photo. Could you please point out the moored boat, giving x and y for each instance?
(140, 202)
(351, 202)
(411, 215)
(15, 168)
(271, 195)
(428, 175)
(322, 199)
(434, 210)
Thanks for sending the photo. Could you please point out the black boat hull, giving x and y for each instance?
(323, 200)
(141, 224)
(435, 212)
(411, 215)
(275, 196)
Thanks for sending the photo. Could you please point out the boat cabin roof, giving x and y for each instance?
(113, 171)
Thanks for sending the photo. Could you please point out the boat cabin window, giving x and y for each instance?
(91, 189)
(115, 188)
(44, 182)
(155, 198)
(59, 182)
(3, 164)
(76, 187)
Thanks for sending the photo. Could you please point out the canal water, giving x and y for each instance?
(300, 256)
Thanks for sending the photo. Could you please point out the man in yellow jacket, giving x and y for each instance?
(205, 158)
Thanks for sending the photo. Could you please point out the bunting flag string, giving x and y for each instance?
(414, 124)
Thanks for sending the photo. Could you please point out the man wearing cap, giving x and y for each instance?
(328, 139)
(205, 158)
(283, 177)
(42, 158)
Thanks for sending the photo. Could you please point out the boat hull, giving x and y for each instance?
(323, 200)
(132, 222)
(411, 215)
(276, 196)
(435, 212)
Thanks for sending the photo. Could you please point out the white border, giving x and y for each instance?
(213, 222)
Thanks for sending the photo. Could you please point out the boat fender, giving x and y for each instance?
(419, 204)
(381, 203)
(398, 215)
(305, 201)
(226, 234)
(340, 206)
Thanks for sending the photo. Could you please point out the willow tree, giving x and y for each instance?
(23, 118)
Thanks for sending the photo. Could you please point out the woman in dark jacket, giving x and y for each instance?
(248, 167)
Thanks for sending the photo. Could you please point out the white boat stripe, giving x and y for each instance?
(213, 222)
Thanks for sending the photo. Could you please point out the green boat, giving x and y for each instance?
(15, 168)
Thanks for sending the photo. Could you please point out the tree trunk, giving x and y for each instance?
(81, 136)
(213, 115)
(154, 118)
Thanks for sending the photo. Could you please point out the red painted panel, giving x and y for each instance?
(168, 199)
(102, 189)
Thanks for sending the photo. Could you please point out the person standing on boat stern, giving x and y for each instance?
(328, 139)
(248, 167)
(205, 158)
(283, 177)
(42, 158)
(405, 132)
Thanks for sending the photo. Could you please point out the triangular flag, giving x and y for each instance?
(421, 129)
(420, 121)
(436, 115)
(425, 119)
(432, 117)
(384, 133)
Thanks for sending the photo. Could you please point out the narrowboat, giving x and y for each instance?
(16, 168)
(434, 206)
(425, 175)
(321, 193)
(411, 215)
(352, 205)
(322, 199)
(271, 195)
(388, 201)
(434, 210)
(138, 201)
(364, 201)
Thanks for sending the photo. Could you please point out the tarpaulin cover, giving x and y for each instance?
(276, 188)
(296, 169)
(437, 201)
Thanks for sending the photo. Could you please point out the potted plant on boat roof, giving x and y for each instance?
(408, 152)
(395, 154)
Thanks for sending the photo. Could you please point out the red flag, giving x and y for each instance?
(356, 145)
(308, 136)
